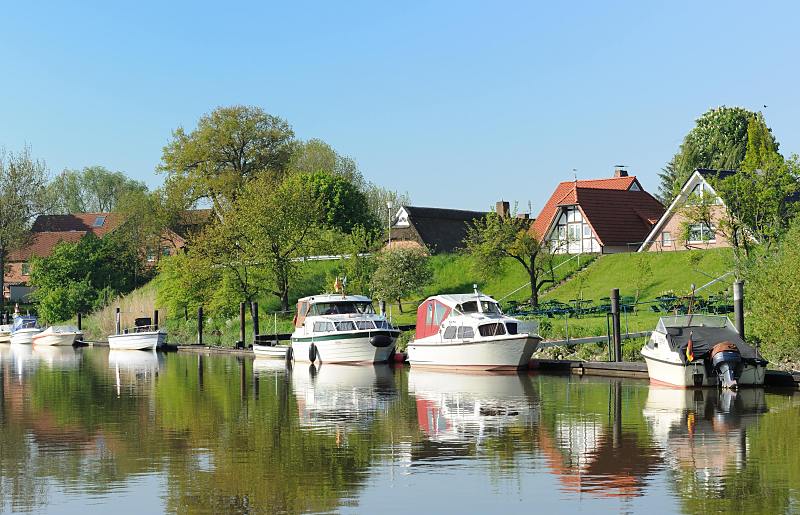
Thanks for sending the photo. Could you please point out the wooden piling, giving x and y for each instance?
(200, 325)
(117, 321)
(254, 315)
(615, 325)
(79, 321)
(242, 307)
(738, 306)
(155, 319)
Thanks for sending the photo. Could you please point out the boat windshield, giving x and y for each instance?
(471, 306)
(342, 308)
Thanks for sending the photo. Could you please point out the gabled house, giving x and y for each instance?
(434, 229)
(675, 232)
(599, 215)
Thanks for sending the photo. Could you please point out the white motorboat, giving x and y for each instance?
(341, 329)
(23, 329)
(137, 340)
(469, 331)
(701, 350)
(57, 335)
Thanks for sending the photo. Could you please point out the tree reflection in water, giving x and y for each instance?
(232, 434)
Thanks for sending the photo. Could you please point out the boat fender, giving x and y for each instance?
(289, 356)
(312, 353)
(380, 340)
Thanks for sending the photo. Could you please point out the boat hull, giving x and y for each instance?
(270, 351)
(683, 375)
(343, 348)
(497, 354)
(24, 336)
(137, 341)
(65, 339)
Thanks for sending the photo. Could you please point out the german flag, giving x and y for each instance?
(690, 349)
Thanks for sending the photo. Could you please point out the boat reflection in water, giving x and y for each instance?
(703, 432)
(464, 407)
(21, 358)
(58, 357)
(133, 368)
(341, 398)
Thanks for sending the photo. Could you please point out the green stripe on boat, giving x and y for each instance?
(345, 336)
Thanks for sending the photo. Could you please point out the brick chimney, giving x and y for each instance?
(503, 208)
(524, 216)
(619, 171)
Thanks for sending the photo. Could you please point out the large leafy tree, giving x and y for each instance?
(276, 224)
(93, 189)
(229, 147)
(401, 272)
(718, 140)
(22, 183)
(315, 155)
(495, 238)
(343, 205)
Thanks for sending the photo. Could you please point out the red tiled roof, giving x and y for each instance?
(85, 222)
(565, 194)
(619, 217)
(42, 244)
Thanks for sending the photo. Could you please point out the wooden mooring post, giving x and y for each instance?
(79, 321)
(738, 306)
(155, 319)
(242, 307)
(616, 339)
(254, 316)
(117, 321)
(200, 325)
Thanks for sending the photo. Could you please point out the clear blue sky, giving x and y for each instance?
(460, 103)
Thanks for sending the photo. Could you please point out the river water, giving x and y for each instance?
(92, 431)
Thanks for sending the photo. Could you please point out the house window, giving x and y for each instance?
(165, 251)
(151, 255)
(574, 231)
(666, 239)
(587, 231)
(702, 233)
(700, 192)
(26, 269)
(99, 221)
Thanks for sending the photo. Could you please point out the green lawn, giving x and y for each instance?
(668, 271)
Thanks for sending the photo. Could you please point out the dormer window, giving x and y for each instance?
(99, 221)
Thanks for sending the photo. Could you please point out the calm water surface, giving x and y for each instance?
(90, 431)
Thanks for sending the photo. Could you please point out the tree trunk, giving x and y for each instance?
(534, 291)
(400, 304)
(2, 279)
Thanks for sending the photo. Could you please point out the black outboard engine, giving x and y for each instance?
(726, 361)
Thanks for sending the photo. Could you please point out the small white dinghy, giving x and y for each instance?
(143, 336)
(270, 349)
(5, 333)
(57, 335)
(701, 350)
(469, 331)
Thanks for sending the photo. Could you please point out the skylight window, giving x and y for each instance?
(99, 221)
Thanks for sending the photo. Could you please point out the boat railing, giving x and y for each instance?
(140, 329)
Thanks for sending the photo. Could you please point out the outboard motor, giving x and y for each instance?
(726, 361)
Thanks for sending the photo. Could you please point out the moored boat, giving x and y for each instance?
(137, 340)
(270, 350)
(57, 335)
(470, 331)
(23, 329)
(701, 350)
(341, 329)
(5, 333)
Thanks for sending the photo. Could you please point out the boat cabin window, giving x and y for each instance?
(468, 307)
(450, 332)
(465, 332)
(491, 329)
(345, 326)
(511, 327)
(486, 306)
(342, 308)
(365, 324)
(323, 327)
(382, 324)
(490, 307)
